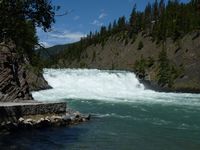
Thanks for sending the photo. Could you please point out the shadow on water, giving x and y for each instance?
(41, 139)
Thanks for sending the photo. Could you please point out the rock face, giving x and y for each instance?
(13, 83)
(36, 81)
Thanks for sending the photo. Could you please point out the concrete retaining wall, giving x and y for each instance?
(13, 111)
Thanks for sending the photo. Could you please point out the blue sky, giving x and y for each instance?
(85, 16)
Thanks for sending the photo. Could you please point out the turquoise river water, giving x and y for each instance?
(125, 116)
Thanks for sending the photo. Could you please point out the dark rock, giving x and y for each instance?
(21, 119)
(36, 81)
(13, 85)
(43, 123)
(88, 117)
(66, 118)
(16, 80)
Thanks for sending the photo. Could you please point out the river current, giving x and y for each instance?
(124, 115)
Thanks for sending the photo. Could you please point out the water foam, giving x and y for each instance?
(115, 86)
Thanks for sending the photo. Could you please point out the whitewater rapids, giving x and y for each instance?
(105, 85)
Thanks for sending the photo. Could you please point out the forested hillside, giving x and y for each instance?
(160, 44)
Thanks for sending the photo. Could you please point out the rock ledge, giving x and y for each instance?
(38, 115)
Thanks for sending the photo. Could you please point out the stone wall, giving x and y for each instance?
(34, 115)
(13, 111)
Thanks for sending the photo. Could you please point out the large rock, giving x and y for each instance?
(36, 80)
(13, 83)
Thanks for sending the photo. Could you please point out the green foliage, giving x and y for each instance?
(150, 62)
(113, 66)
(141, 65)
(18, 20)
(164, 75)
(15, 14)
(26, 43)
(126, 41)
(140, 45)
(168, 72)
(83, 65)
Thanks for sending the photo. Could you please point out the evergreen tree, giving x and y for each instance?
(133, 17)
(18, 19)
(122, 22)
(164, 69)
(147, 17)
(155, 11)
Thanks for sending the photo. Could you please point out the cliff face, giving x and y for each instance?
(16, 81)
(13, 84)
(36, 80)
(184, 54)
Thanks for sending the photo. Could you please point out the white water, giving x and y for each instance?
(115, 86)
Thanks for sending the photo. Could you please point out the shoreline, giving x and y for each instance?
(27, 115)
(152, 86)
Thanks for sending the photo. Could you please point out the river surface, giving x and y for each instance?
(125, 116)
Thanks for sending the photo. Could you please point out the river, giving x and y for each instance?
(125, 115)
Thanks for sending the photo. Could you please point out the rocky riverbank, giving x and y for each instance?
(155, 87)
(44, 121)
(18, 110)
(15, 116)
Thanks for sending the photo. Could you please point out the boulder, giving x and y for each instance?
(21, 119)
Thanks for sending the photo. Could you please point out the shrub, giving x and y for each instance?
(140, 45)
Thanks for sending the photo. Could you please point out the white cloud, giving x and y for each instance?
(71, 36)
(76, 18)
(97, 23)
(102, 15)
(57, 37)
(45, 44)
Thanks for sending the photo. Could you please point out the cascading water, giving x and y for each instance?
(93, 84)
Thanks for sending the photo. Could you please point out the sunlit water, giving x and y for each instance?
(124, 115)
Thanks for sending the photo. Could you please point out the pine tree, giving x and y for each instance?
(133, 17)
(147, 17)
(164, 68)
(122, 22)
(19, 18)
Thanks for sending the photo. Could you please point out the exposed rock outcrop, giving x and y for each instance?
(13, 83)
(36, 81)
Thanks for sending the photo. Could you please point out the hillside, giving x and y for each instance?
(183, 55)
(161, 45)
(51, 51)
